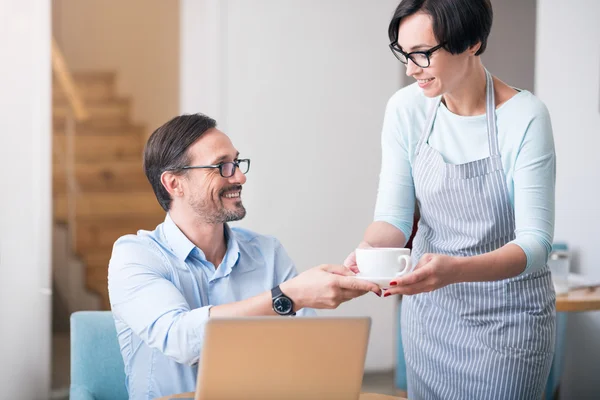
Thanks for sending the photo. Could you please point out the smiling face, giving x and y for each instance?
(446, 71)
(210, 196)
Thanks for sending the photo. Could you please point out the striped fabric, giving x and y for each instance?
(475, 340)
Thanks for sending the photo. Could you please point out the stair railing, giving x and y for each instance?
(76, 112)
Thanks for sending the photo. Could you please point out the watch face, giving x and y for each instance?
(282, 305)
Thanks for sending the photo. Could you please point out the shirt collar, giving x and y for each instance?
(182, 246)
(232, 254)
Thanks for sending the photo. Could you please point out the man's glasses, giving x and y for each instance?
(420, 58)
(226, 169)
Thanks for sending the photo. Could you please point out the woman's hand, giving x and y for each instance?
(433, 271)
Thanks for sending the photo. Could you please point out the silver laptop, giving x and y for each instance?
(283, 358)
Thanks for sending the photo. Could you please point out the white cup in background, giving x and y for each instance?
(378, 262)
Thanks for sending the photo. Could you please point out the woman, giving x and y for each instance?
(477, 155)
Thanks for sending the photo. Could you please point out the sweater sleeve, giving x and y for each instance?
(396, 193)
(534, 188)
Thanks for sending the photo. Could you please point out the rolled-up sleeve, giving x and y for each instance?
(534, 191)
(396, 193)
(143, 298)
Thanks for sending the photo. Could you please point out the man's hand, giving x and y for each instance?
(326, 286)
(350, 261)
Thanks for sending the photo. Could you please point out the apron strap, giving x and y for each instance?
(429, 124)
(490, 112)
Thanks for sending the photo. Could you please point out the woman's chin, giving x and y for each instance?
(431, 92)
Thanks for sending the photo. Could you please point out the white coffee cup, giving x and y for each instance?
(378, 262)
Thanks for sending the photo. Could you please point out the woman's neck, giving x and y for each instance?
(469, 98)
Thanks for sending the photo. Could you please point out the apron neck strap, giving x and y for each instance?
(490, 112)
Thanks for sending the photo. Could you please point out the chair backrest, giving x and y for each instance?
(97, 370)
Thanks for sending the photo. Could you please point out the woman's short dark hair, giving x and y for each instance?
(457, 23)
(166, 150)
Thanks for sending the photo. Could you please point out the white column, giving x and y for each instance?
(567, 79)
(25, 199)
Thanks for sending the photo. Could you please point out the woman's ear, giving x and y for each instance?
(474, 49)
(172, 183)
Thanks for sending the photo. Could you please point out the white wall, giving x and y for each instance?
(25, 208)
(567, 79)
(301, 90)
(201, 82)
(510, 53)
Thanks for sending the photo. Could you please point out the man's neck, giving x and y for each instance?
(210, 238)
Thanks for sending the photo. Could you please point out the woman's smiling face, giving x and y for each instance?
(446, 71)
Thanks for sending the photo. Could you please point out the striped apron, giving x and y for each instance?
(474, 340)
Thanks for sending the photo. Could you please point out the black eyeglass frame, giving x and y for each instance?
(236, 164)
(427, 53)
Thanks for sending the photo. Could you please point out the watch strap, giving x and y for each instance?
(277, 293)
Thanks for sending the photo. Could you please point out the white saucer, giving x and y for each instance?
(383, 283)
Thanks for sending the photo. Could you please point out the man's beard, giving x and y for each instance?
(217, 213)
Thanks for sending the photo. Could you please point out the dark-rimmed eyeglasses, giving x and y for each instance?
(226, 169)
(420, 58)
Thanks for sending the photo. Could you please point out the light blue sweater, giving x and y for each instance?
(526, 147)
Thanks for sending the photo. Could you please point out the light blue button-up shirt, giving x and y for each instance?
(161, 288)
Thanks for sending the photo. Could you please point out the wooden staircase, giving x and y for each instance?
(112, 195)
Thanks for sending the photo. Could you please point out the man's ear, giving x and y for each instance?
(172, 183)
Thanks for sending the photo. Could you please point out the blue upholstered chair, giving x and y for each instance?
(97, 370)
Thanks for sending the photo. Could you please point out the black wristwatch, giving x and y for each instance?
(282, 304)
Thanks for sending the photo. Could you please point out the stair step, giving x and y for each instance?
(100, 126)
(92, 86)
(100, 112)
(90, 148)
(107, 205)
(96, 266)
(99, 285)
(97, 259)
(93, 128)
(108, 176)
(96, 275)
(99, 233)
(114, 197)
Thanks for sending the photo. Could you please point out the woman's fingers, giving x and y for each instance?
(419, 287)
(421, 272)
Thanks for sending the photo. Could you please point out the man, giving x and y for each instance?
(164, 285)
